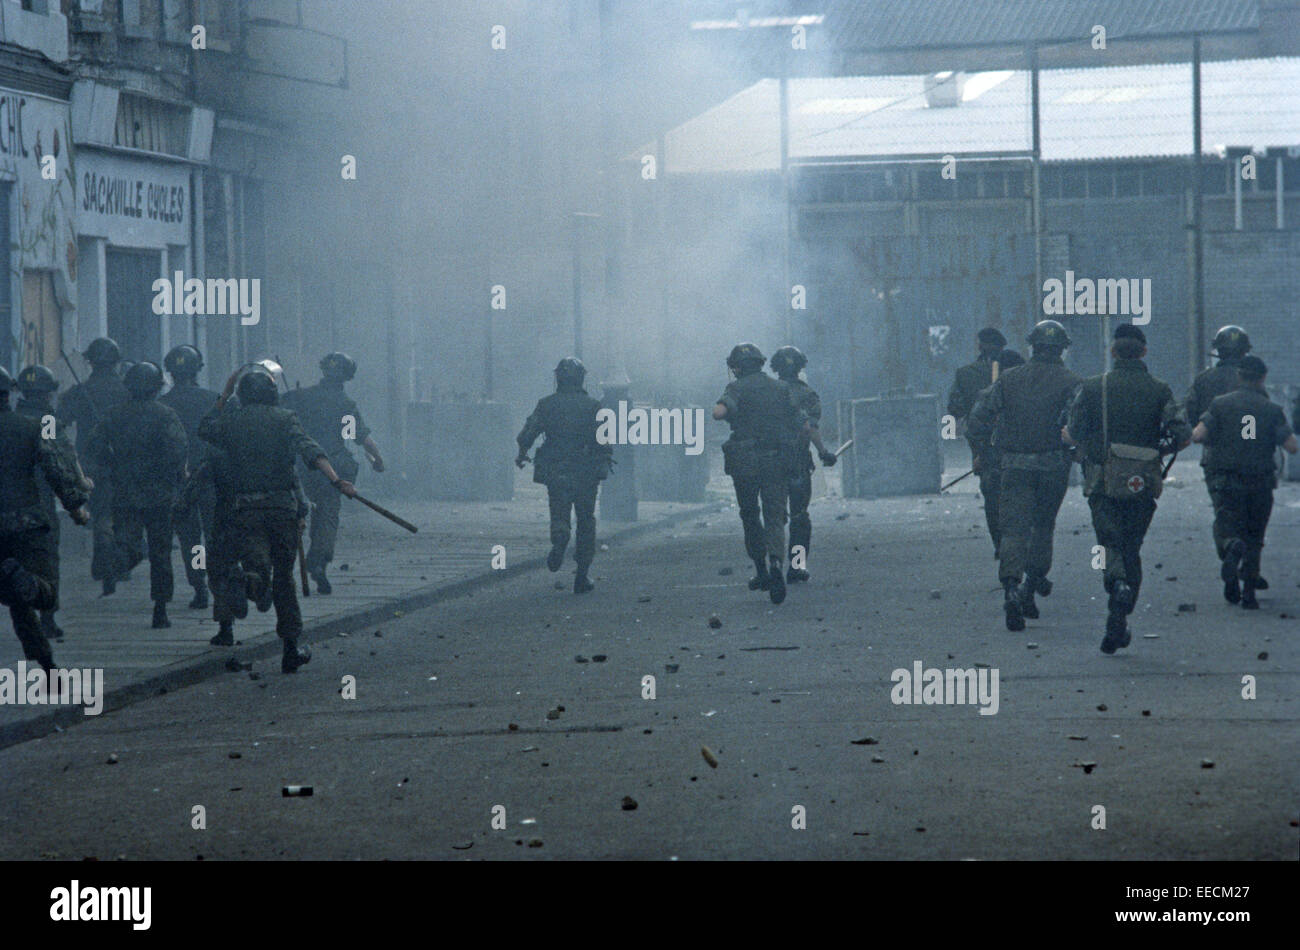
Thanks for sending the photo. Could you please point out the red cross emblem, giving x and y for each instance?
(1136, 484)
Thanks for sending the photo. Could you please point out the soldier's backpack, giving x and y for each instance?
(1129, 472)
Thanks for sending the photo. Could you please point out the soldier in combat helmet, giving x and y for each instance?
(330, 417)
(142, 445)
(760, 457)
(38, 385)
(83, 406)
(193, 518)
(571, 464)
(787, 362)
(971, 380)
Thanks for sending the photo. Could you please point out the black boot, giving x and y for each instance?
(1039, 585)
(581, 582)
(294, 656)
(795, 575)
(760, 580)
(776, 581)
(225, 636)
(160, 621)
(555, 560)
(48, 627)
(1011, 605)
(108, 587)
(200, 601)
(1261, 584)
(1121, 604)
(1026, 595)
(1248, 601)
(323, 586)
(1230, 571)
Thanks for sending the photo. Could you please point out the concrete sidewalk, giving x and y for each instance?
(378, 568)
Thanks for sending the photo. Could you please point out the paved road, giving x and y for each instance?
(451, 716)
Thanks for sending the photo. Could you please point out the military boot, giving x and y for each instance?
(776, 581)
(1260, 583)
(1231, 570)
(200, 601)
(1011, 605)
(225, 636)
(582, 583)
(1121, 604)
(48, 626)
(796, 576)
(1248, 601)
(555, 560)
(160, 621)
(1040, 585)
(294, 656)
(760, 580)
(323, 586)
(1026, 594)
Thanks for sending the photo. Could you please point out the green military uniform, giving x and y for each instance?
(571, 464)
(260, 442)
(1022, 414)
(1244, 429)
(1208, 386)
(28, 574)
(142, 446)
(192, 520)
(39, 405)
(760, 457)
(1141, 410)
(83, 406)
(972, 380)
(324, 410)
(810, 405)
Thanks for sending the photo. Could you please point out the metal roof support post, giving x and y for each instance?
(785, 189)
(1036, 150)
(1196, 288)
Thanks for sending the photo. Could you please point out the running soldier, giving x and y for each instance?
(28, 579)
(142, 445)
(38, 385)
(972, 379)
(760, 458)
(787, 363)
(1021, 414)
(1241, 430)
(83, 406)
(571, 463)
(1124, 420)
(330, 417)
(261, 440)
(192, 519)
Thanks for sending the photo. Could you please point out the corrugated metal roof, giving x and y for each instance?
(882, 24)
(1101, 113)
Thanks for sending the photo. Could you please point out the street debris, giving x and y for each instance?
(715, 621)
(296, 791)
(629, 803)
(709, 756)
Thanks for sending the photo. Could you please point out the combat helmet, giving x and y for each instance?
(1231, 341)
(37, 379)
(788, 361)
(570, 371)
(338, 367)
(257, 386)
(1048, 333)
(143, 380)
(183, 361)
(103, 352)
(744, 355)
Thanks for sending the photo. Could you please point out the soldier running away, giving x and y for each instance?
(261, 441)
(787, 363)
(28, 579)
(1241, 431)
(760, 458)
(1230, 345)
(192, 519)
(971, 380)
(326, 412)
(1124, 420)
(142, 445)
(1022, 415)
(571, 463)
(84, 405)
(38, 385)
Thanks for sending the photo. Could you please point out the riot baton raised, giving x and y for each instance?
(395, 519)
(841, 449)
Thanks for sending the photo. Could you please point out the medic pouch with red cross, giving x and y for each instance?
(1129, 472)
